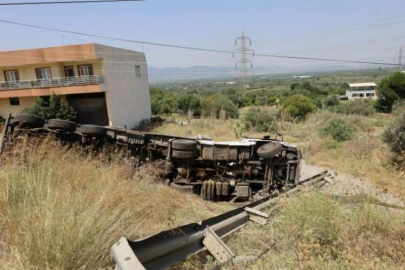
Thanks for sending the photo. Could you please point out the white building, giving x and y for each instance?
(362, 90)
(302, 77)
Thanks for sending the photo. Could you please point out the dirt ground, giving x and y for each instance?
(347, 185)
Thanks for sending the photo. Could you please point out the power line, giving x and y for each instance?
(65, 2)
(331, 30)
(195, 48)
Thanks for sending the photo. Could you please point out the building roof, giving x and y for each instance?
(362, 84)
(48, 55)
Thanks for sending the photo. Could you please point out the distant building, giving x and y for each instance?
(302, 77)
(230, 83)
(361, 90)
(105, 85)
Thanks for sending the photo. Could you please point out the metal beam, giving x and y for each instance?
(172, 246)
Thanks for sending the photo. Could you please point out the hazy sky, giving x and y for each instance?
(374, 32)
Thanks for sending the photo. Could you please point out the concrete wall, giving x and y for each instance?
(353, 94)
(127, 97)
(6, 108)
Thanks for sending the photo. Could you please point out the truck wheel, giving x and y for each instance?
(185, 145)
(184, 154)
(28, 120)
(269, 150)
(93, 130)
(62, 125)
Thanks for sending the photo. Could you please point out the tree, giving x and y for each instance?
(389, 91)
(188, 102)
(299, 106)
(54, 108)
(293, 86)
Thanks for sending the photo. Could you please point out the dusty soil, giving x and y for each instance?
(347, 185)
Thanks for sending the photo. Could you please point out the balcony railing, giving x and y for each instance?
(57, 82)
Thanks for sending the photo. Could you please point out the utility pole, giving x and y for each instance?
(400, 56)
(243, 50)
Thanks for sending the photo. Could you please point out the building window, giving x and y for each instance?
(69, 72)
(44, 74)
(85, 70)
(138, 73)
(370, 95)
(11, 76)
(14, 101)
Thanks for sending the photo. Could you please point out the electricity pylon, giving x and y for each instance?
(399, 57)
(244, 61)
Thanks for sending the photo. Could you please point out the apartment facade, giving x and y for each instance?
(105, 85)
(361, 90)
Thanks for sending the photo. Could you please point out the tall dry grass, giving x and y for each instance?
(316, 232)
(62, 209)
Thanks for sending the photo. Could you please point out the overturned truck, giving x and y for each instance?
(237, 170)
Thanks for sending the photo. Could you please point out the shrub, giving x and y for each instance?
(394, 136)
(339, 129)
(54, 108)
(360, 107)
(389, 91)
(189, 103)
(260, 120)
(2, 120)
(299, 106)
(213, 105)
(330, 101)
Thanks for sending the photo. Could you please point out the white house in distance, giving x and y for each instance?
(105, 85)
(362, 90)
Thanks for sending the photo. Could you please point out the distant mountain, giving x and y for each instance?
(199, 72)
(179, 74)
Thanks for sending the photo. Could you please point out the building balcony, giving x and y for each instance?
(52, 83)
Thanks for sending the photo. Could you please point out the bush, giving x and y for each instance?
(339, 129)
(260, 120)
(54, 108)
(389, 91)
(2, 120)
(359, 107)
(394, 136)
(299, 106)
(330, 101)
(213, 105)
(189, 103)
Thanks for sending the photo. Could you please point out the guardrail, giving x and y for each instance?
(57, 82)
(169, 247)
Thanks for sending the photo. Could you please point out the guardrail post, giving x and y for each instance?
(217, 247)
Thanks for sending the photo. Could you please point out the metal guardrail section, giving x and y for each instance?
(169, 247)
(58, 82)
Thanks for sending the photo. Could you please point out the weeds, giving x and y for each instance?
(62, 209)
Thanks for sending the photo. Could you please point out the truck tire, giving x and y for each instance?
(269, 150)
(184, 145)
(184, 154)
(30, 121)
(93, 130)
(62, 125)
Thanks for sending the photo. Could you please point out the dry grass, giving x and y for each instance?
(314, 232)
(61, 209)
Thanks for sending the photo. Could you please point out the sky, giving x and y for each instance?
(367, 30)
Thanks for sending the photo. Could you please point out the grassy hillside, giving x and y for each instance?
(62, 209)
